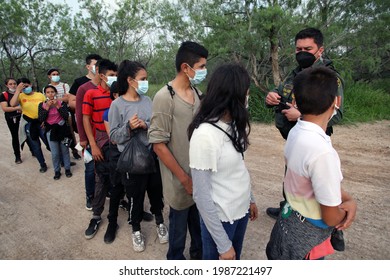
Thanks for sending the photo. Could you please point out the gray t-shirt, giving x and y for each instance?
(170, 120)
(121, 111)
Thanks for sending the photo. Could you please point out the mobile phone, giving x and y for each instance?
(283, 105)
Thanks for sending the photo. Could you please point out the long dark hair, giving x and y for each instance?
(226, 93)
(127, 69)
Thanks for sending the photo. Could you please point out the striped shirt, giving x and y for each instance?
(95, 102)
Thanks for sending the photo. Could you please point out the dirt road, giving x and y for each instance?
(45, 219)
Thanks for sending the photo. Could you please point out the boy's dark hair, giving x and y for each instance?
(23, 80)
(127, 69)
(51, 70)
(190, 53)
(92, 56)
(313, 33)
(315, 90)
(104, 65)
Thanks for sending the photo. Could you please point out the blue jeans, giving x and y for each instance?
(59, 152)
(36, 144)
(178, 222)
(235, 232)
(89, 177)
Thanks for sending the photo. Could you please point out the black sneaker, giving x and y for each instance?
(43, 169)
(124, 205)
(92, 228)
(57, 175)
(18, 160)
(110, 235)
(337, 240)
(76, 154)
(147, 217)
(68, 174)
(88, 204)
(273, 212)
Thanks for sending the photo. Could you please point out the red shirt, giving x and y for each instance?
(96, 101)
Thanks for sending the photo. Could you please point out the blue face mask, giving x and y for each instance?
(200, 75)
(110, 80)
(143, 87)
(55, 79)
(27, 90)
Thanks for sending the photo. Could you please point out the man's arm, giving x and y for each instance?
(72, 101)
(272, 99)
(96, 152)
(340, 216)
(79, 117)
(170, 162)
(15, 99)
(8, 109)
(350, 206)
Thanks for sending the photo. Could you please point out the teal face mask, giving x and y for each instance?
(200, 75)
(55, 79)
(27, 90)
(143, 87)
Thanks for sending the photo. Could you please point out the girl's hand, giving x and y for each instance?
(253, 211)
(229, 255)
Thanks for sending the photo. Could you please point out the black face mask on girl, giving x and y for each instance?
(305, 59)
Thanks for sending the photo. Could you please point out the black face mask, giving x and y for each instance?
(305, 59)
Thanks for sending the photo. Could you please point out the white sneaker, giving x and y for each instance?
(138, 241)
(162, 233)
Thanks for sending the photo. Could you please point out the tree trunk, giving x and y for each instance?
(275, 56)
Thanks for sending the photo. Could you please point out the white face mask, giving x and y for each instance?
(110, 80)
(93, 70)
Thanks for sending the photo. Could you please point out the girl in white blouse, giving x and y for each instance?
(221, 182)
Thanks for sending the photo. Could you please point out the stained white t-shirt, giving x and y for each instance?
(313, 175)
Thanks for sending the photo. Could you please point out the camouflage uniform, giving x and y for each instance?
(285, 91)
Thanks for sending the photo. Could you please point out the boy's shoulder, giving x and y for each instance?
(162, 93)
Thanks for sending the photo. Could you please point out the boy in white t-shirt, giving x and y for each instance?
(316, 203)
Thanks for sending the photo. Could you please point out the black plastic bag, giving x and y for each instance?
(136, 158)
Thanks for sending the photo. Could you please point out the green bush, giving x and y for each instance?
(257, 109)
(365, 103)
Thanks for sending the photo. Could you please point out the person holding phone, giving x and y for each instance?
(30, 128)
(309, 53)
(54, 113)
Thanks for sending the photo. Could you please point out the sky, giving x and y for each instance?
(71, 3)
(74, 4)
